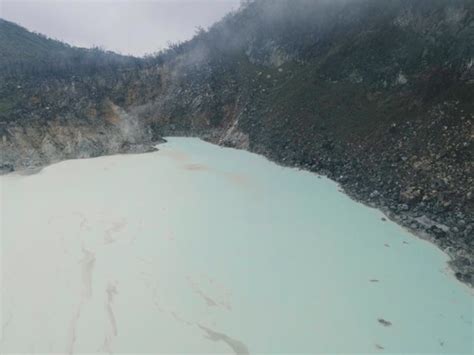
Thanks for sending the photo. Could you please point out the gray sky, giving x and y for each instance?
(126, 26)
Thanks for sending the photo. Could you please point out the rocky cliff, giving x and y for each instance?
(376, 95)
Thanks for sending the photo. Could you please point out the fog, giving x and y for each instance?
(125, 26)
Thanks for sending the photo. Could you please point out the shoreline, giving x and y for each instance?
(404, 220)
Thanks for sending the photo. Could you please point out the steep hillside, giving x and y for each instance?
(375, 94)
(24, 53)
(58, 101)
(18, 44)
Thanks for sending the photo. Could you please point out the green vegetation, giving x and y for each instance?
(26, 54)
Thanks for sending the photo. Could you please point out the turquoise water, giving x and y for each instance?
(202, 249)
